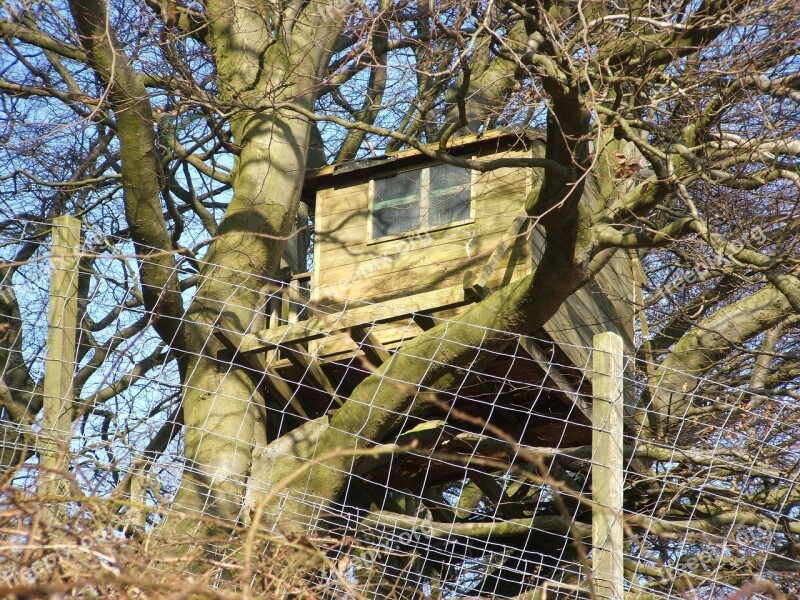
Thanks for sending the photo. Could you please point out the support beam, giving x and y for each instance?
(536, 352)
(425, 322)
(607, 467)
(311, 367)
(276, 386)
(370, 345)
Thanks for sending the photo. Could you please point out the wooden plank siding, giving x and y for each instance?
(351, 266)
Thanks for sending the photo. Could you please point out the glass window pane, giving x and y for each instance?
(395, 219)
(396, 189)
(450, 194)
(396, 204)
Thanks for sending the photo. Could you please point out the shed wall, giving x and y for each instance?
(350, 266)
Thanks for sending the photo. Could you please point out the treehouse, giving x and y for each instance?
(403, 242)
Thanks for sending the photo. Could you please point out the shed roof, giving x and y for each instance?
(492, 142)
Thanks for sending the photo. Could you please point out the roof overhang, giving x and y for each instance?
(481, 144)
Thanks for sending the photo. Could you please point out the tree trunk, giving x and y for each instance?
(223, 408)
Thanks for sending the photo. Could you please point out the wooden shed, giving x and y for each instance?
(425, 237)
(401, 242)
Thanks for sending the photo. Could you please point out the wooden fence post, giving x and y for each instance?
(607, 467)
(62, 323)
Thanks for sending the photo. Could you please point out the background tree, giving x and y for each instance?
(180, 134)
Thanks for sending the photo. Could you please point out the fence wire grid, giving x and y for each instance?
(477, 489)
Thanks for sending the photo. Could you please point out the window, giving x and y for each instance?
(420, 199)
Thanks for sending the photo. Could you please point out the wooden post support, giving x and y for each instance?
(607, 467)
(62, 323)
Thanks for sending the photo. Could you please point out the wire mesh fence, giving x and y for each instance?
(358, 479)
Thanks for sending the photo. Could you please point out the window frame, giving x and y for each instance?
(424, 204)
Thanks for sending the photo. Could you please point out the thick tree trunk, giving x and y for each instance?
(259, 68)
(223, 409)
